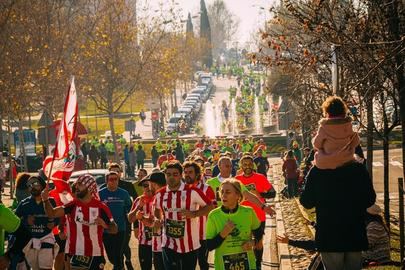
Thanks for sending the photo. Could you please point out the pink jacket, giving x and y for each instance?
(335, 142)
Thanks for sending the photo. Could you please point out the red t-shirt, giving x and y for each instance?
(259, 183)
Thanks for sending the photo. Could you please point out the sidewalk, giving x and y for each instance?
(291, 223)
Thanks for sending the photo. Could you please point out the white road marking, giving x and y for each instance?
(396, 163)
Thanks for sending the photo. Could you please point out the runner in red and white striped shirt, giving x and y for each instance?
(87, 217)
(193, 177)
(142, 211)
(177, 206)
(157, 180)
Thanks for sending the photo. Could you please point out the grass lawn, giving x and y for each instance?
(137, 100)
(103, 125)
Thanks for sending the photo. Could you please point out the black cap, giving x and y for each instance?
(156, 177)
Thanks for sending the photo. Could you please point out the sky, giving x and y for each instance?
(250, 13)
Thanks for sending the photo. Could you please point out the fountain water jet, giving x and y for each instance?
(257, 118)
(234, 118)
(212, 120)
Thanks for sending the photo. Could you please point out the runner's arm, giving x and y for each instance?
(304, 244)
(215, 242)
(112, 228)
(269, 194)
(249, 196)
(51, 212)
(203, 211)
(258, 234)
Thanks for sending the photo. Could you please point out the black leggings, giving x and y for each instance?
(179, 261)
(158, 261)
(145, 257)
(114, 247)
(127, 239)
(203, 255)
(259, 252)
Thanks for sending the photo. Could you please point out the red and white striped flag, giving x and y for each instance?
(60, 165)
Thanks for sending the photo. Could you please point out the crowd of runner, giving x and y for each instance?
(191, 204)
(210, 199)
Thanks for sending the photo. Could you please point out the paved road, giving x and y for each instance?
(395, 171)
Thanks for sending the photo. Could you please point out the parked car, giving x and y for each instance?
(195, 103)
(98, 174)
(195, 95)
(203, 92)
(189, 108)
(206, 79)
(172, 126)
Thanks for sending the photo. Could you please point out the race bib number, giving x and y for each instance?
(250, 187)
(237, 261)
(83, 262)
(148, 233)
(175, 228)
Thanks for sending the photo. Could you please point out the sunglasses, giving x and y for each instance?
(34, 184)
(145, 185)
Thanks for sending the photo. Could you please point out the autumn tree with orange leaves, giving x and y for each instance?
(297, 46)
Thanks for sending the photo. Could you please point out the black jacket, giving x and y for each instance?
(340, 197)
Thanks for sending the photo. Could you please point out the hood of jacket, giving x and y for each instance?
(337, 128)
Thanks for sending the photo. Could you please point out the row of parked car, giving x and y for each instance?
(183, 119)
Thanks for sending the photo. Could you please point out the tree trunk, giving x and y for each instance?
(171, 106)
(370, 128)
(1, 134)
(175, 96)
(10, 171)
(22, 144)
(111, 120)
(386, 165)
(29, 120)
(162, 112)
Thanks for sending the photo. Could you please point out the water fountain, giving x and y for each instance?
(218, 120)
(234, 118)
(257, 118)
(212, 120)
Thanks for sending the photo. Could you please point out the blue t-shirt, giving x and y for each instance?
(119, 203)
(29, 207)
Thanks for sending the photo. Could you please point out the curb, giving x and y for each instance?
(284, 256)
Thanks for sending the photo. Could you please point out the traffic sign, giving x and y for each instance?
(46, 120)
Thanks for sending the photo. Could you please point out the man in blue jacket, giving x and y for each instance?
(39, 252)
(119, 202)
